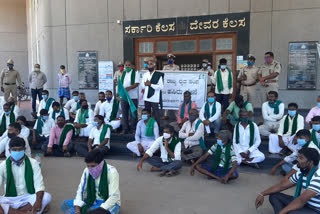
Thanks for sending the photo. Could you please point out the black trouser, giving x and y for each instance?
(280, 201)
(127, 118)
(155, 110)
(56, 150)
(34, 93)
(223, 99)
(41, 140)
(82, 148)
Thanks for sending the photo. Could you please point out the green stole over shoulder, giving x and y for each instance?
(49, 103)
(154, 80)
(91, 189)
(4, 121)
(294, 125)
(314, 138)
(299, 183)
(183, 107)
(217, 158)
(219, 80)
(202, 143)
(150, 127)
(82, 118)
(172, 145)
(115, 109)
(54, 114)
(11, 190)
(207, 110)
(104, 131)
(251, 126)
(275, 106)
(39, 126)
(67, 128)
(133, 76)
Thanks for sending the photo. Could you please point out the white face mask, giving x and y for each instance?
(166, 135)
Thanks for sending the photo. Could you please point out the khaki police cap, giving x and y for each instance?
(10, 61)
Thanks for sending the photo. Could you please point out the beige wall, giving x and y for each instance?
(68, 26)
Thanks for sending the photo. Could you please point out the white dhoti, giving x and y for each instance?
(85, 132)
(256, 155)
(133, 146)
(20, 201)
(268, 129)
(274, 143)
(114, 123)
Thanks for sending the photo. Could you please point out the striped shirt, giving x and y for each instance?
(233, 158)
(314, 186)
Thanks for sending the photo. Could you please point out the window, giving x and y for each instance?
(146, 47)
(206, 45)
(184, 46)
(162, 47)
(224, 44)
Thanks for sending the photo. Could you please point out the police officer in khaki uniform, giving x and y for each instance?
(206, 68)
(248, 76)
(269, 74)
(171, 66)
(9, 77)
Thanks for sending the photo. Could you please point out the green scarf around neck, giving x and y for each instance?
(11, 190)
(82, 118)
(39, 125)
(150, 127)
(154, 80)
(4, 121)
(67, 128)
(172, 146)
(314, 138)
(275, 106)
(251, 126)
(202, 143)
(294, 125)
(245, 104)
(115, 109)
(49, 103)
(207, 110)
(133, 76)
(104, 131)
(12, 107)
(78, 105)
(91, 189)
(183, 107)
(300, 181)
(217, 158)
(219, 80)
(61, 114)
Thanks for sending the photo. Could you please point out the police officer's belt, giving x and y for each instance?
(10, 83)
(271, 81)
(247, 85)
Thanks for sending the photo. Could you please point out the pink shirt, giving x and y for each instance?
(64, 80)
(186, 113)
(315, 111)
(55, 134)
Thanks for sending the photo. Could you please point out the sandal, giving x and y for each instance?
(163, 173)
(172, 173)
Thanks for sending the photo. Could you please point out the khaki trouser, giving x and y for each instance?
(10, 89)
(265, 90)
(248, 93)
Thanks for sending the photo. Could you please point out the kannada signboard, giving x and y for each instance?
(105, 76)
(176, 83)
(303, 65)
(88, 71)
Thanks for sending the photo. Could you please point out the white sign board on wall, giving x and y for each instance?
(105, 76)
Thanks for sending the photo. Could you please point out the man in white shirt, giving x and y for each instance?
(210, 114)
(70, 103)
(272, 112)
(192, 132)
(102, 99)
(25, 131)
(130, 81)
(41, 129)
(105, 182)
(152, 83)
(110, 111)
(99, 138)
(56, 111)
(147, 132)
(84, 119)
(6, 118)
(170, 158)
(15, 108)
(223, 80)
(14, 130)
(46, 102)
(76, 105)
(24, 189)
(246, 141)
(289, 125)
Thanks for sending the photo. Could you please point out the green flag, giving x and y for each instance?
(125, 96)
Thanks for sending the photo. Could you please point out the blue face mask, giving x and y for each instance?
(170, 61)
(318, 104)
(7, 112)
(45, 117)
(223, 66)
(144, 117)
(292, 113)
(76, 98)
(301, 142)
(220, 143)
(244, 120)
(250, 63)
(316, 127)
(146, 65)
(10, 67)
(17, 155)
(211, 99)
(109, 98)
(96, 124)
(44, 96)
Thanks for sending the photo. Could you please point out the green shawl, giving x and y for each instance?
(104, 131)
(245, 104)
(299, 183)
(154, 80)
(133, 76)
(68, 127)
(4, 121)
(39, 126)
(251, 126)
(202, 144)
(54, 114)
(115, 109)
(12, 107)
(207, 110)
(294, 125)
(82, 118)
(172, 146)
(91, 189)
(314, 138)
(219, 80)
(49, 103)
(78, 105)
(217, 158)
(11, 190)
(183, 107)
(150, 127)
(275, 106)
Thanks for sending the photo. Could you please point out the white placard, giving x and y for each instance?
(176, 83)
(105, 76)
